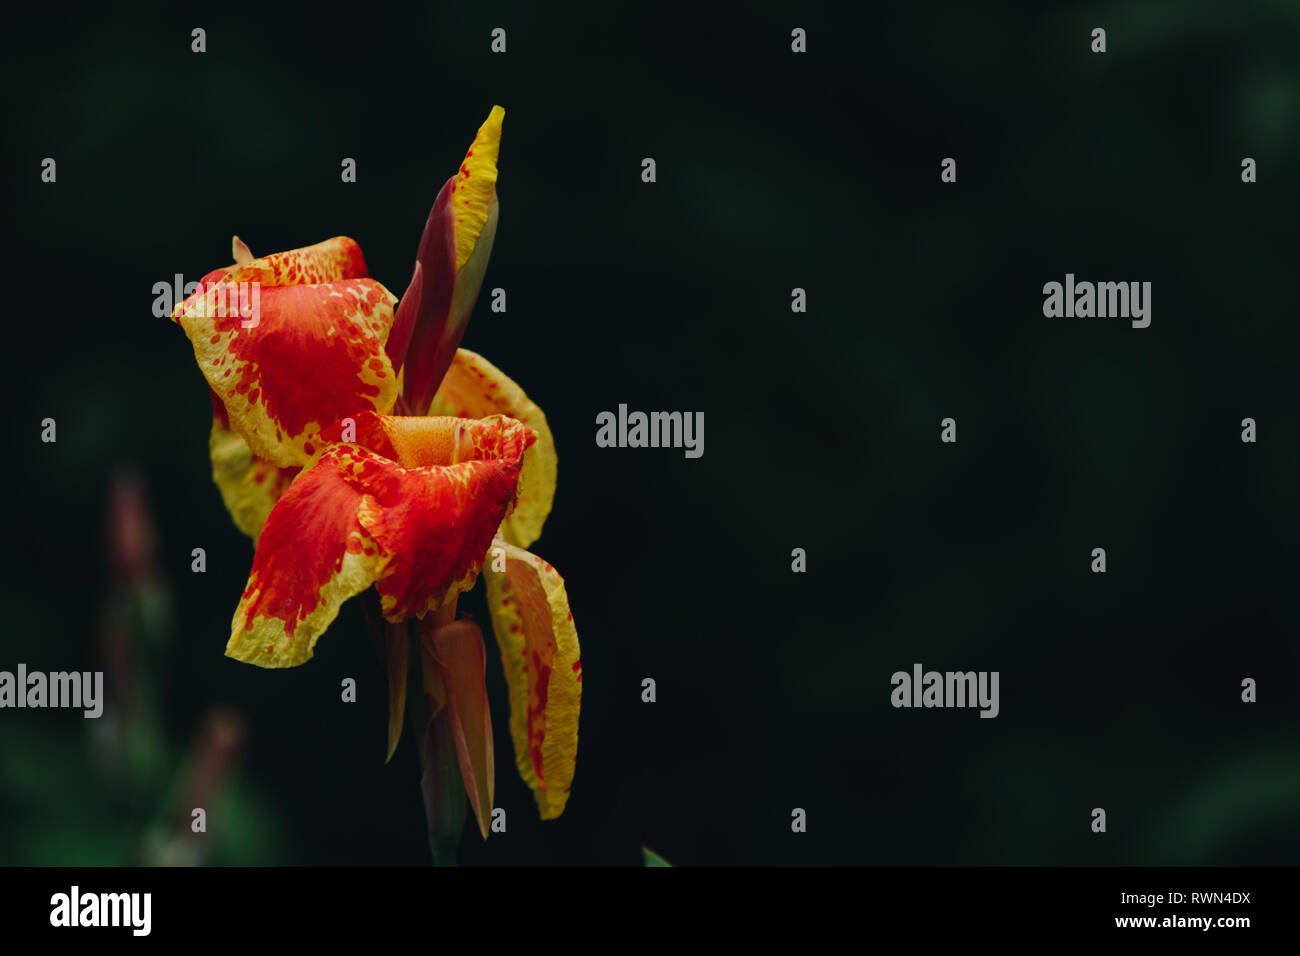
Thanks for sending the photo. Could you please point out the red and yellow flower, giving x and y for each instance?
(361, 448)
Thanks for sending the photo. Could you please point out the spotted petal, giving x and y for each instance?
(452, 258)
(291, 343)
(358, 517)
(543, 668)
(475, 185)
(475, 388)
(249, 486)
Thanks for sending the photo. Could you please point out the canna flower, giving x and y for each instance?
(364, 451)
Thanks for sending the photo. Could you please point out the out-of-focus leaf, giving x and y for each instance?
(652, 858)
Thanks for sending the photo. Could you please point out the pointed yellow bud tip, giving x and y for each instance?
(475, 184)
(240, 252)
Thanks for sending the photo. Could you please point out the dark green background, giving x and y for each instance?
(775, 170)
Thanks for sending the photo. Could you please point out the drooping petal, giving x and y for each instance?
(312, 556)
(475, 388)
(291, 343)
(249, 486)
(356, 518)
(543, 668)
(458, 650)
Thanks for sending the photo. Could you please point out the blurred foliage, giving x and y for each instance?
(121, 788)
(651, 858)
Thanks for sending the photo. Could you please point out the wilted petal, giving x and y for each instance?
(312, 556)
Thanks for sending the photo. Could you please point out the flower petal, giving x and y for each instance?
(312, 556)
(476, 184)
(391, 642)
(249, 486)
(453, 256)
(328, 261)
(457, 648)
(404, 318)
(423, 326)
(440, 783)
(300, 356)
(420, 441)
(437, 522)
(356, 518)
(475, 388)
(396, 645)
(543, 667)
(240, 252)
